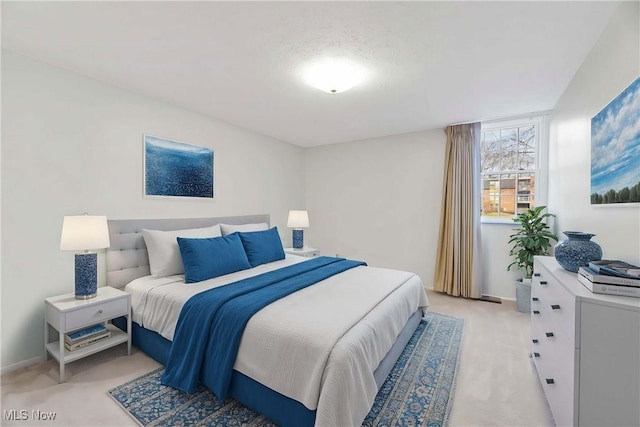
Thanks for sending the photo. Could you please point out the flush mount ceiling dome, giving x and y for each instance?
(333, 75)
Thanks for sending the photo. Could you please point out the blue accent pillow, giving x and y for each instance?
(262, 246)
(212, 257)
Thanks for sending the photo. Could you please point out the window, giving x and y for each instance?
(513, 162)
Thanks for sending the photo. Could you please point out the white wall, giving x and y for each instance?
(612, 64)
(378, 200)
(72, 145)
(497, 281)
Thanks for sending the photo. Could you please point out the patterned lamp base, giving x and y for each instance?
(298, 239)
(86, 275)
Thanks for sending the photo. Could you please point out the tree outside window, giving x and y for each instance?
(509, 165)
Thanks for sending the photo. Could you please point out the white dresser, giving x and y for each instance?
(586, 348)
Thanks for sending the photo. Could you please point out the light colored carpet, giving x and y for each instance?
(496, 383)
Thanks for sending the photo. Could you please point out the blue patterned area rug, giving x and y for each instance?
(418, 391)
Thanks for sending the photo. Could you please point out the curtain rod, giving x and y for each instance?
(502, 119)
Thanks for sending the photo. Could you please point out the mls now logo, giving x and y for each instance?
(15, 415)
(23, 415)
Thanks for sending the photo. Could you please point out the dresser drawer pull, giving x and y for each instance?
(555, 307)
(536, 354)
(536, 274)
(535, 299)
(543, 282)
(535, 341)
(550, 381)
(100, 311)
(549, 334)
(536, 312)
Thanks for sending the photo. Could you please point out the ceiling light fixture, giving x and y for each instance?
(333, 75)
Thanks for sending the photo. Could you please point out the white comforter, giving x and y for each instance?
(319, 345)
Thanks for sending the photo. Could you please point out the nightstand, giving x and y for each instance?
(64, 313)
(305, 252)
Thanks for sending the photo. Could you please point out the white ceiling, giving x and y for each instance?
(431, 63)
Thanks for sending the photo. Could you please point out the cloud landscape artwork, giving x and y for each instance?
(615, 149)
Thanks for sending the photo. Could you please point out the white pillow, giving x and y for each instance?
(245, 228)
(164, 253)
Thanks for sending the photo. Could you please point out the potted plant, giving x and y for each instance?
(533, 237)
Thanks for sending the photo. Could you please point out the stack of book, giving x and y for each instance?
(611, 277)
(81, 338)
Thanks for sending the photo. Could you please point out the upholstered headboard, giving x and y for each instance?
(127, 258)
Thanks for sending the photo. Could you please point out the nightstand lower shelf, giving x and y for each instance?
(117, 337)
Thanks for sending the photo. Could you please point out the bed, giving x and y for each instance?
(315, 357)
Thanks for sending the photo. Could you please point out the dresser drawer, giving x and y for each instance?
(540, 285)
(558, 353)
(96, 313)
(561, 402)
(554, 300)
(559, 396)
(562, 306)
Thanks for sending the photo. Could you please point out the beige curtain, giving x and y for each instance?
(458, 264)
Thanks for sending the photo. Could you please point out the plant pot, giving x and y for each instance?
(523, 295)
(577, 251)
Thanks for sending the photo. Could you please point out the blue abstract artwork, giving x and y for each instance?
(177, 169)
(615, 150)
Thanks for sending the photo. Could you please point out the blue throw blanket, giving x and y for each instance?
(211, 323)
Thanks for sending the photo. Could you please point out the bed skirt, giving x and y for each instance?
(279, 408)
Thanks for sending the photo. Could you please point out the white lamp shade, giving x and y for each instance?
(298, 219)
(84, 232)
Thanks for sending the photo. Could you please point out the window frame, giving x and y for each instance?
(541, 164)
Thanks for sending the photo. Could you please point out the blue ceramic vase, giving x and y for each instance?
(577, 251)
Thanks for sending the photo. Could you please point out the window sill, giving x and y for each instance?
(497, 221)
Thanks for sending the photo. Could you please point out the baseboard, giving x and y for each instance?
(488, 298)
(484, 297)
(19, 365)
(492, 298)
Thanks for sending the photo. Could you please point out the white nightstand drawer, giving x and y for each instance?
(305, 252)
(96, 313)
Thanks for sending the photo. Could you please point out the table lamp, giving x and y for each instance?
(298, 220)
(83, 233)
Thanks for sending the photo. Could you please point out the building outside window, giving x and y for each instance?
(513, 161)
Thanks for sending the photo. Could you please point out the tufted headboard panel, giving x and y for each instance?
(127, 257)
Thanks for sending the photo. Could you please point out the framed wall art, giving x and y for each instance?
(615, 150)
(177, 169)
